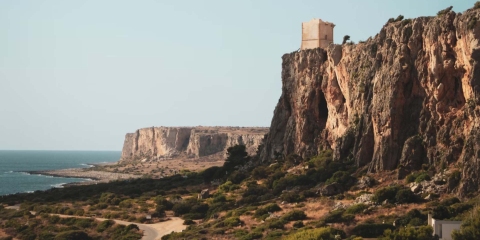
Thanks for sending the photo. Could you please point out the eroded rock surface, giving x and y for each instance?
(157, 143)
(408, 96)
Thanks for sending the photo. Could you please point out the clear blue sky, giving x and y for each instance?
(78, 75)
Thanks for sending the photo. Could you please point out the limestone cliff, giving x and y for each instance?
(189, 142)
(406, 97)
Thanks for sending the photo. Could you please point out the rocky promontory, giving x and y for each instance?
(407, 98)
(158, 143)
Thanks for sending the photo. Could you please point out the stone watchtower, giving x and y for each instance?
(317, 33)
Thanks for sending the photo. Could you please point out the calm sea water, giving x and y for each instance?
(12, 163)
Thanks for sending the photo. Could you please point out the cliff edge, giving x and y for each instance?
(157, 143)
(405, 98)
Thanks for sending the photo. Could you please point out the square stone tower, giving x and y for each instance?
(317, 33)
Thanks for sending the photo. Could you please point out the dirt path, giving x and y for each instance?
(154, 231)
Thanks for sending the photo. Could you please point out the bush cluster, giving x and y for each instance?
(325, 233)
(371, 230)
(417, 177)
(338, 216)
(270, 208)
(394, 194)
(444, 11)
(450, 208)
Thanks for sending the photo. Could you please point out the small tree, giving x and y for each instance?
(444, 11)
(345, 39)
(237, 155)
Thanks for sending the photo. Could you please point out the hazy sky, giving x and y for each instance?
(78, 75)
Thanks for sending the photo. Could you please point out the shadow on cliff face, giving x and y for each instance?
(322, 113)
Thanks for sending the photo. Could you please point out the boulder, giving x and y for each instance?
(416, 188)
(365, 199)
(365, 182)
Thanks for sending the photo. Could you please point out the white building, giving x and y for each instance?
(443, 228)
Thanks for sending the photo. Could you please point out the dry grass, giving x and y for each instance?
(164, 168)
(2, 233)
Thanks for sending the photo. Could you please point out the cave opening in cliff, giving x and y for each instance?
(322, 109)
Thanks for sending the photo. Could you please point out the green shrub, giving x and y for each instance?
(100, 206)
(413, 218)
(298, 224)
(341, 177)
(420, 233)
(459, 208)
(449, 201)
(260, 172)
(193, 215)
(276, 224)
(454, 179)
(405, 196)
(324, 233)
(373, 230)
(228, 186)
(188, 222)
(290, 181)
(105, 225)
(410, 178)
(160, 211)
(161, 201)
(237, 177)
(232, 222)
(292, 197)
(356, 209)
(181, 208)
(54, 219)
(72, 235)
(338, 216)
(84, 222)
(251, 236)
(476, 5)
(470, 228)
(387, 193)
(219, 198)
(444, 11)
(273, 207)
(294, 215)
(441, 212)
(408, 31)
(422, 177)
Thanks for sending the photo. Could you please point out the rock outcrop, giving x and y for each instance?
(407, 97)
(188, 142)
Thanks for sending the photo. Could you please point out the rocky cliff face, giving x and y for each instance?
(407, 97)
(190, 142)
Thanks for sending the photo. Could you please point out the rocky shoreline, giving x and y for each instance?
(85, 173)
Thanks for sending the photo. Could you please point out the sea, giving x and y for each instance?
(14, 166)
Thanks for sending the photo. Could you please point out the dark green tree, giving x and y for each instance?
(237, 155)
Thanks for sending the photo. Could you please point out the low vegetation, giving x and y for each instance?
(283, 199)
